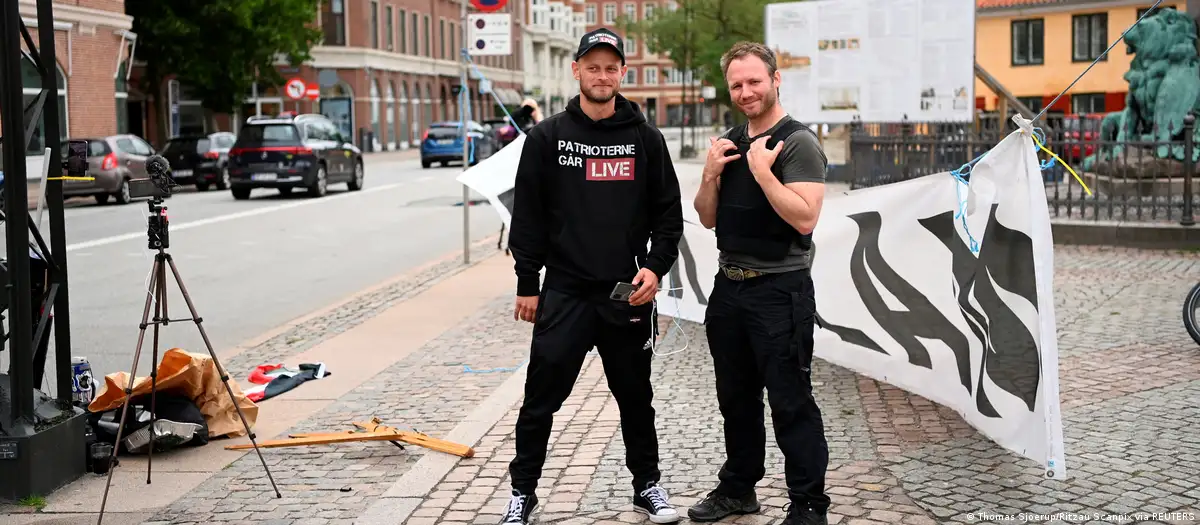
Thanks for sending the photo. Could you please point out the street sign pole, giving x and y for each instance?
(464, 95)
(486, 6)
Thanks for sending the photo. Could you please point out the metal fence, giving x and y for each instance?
(1145, 181)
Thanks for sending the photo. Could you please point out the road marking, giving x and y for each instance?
(425, 178)
(232, 216)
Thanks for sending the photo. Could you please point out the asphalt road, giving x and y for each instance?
(250, 266)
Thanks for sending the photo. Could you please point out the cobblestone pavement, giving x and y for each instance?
(1130, 382)
(429, 391)
(305, 335)
(1130, 389)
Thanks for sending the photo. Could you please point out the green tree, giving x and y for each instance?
(698, 32)
(220, 48)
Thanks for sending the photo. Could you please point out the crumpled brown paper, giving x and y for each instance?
(190, 375)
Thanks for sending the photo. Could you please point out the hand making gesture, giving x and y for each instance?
(717, 158)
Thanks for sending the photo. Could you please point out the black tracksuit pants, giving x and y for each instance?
(567, 327)
(760, 334)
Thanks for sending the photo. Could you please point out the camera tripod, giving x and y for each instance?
(158, 240)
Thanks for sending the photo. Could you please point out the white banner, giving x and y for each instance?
(495, 177)
(903, 299)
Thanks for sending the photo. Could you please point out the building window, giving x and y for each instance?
(402, 115)
(1033, 103)
(1085, 103)
(631, 76)
(648, 10)
(260, 100)
(416, 34)
(631, 12)
(425, 29)
(374, 115)
(651, 75)
(1028, 39)
(375, 24)
(333, 22)
(1089, 36)
(391, 33)
(442, 37)
(610, 13)
(401, 32)
(32, 82)
(453, 40)
(630, 46)
(122, 93)
(590, 14)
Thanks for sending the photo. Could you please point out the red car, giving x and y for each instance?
(1080, 133)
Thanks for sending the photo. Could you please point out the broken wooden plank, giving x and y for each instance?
(316, 440)
(375, 430)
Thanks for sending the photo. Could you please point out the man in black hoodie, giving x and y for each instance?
(595, 185)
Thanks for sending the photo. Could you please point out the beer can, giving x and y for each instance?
(82, 386)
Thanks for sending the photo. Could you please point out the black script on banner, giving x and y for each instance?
(1010, 357)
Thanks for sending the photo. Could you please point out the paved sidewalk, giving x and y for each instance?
(444, 356)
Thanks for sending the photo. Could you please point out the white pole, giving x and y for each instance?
(462, 108)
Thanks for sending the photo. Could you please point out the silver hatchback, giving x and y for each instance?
(112, 161)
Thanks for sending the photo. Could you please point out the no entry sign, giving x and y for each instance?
(488, 6)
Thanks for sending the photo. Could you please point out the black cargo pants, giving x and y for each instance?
(566, 328)
(760, 334)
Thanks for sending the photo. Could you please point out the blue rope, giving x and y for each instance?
(962, 209)
(469, 370)
(964, 171)
(467, 57)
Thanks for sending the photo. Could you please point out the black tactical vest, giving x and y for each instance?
(746, 222)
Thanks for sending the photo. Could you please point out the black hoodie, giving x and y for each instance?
(589, 196)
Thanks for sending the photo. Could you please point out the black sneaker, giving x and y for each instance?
(653, 502)
(520, 506)
(716, 505)
(803, 516)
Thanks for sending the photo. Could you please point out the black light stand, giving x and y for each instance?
(158, 234)
(34, 429)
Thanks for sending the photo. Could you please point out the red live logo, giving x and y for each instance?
(609, 169)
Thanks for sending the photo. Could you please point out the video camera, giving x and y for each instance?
(158, 186)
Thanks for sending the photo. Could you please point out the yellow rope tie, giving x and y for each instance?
(71, 178)
(1060, 161)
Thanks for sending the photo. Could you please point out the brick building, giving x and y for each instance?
(92, 46)
(652, 80)
(385, 66)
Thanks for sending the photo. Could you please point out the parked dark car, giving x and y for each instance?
(503, 129)
(443, 143)
(200, 159)
(286, 152)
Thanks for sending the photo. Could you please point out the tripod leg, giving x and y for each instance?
(221, 370)
(160, 319)
(129, 389)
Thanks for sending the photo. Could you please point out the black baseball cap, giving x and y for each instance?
(601, 37)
